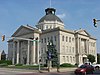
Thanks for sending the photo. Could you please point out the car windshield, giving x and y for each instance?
(83, 66)
(86, 66)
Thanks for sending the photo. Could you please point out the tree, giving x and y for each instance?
(54, 55)
(3, 55)
(98, 58)
(91, 58)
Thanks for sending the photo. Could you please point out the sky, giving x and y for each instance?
(75, 14)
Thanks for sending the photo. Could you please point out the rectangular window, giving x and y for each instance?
(55, 38)
(45, 40)
(41, 50)
(50, 27)
(45, 49)
(62, 38)
(73, 39)
(70, 49)
(70, 58)
(66, 38)
(48, 38)
(64, 58)
(42, 40)
(69, 39)
(67, 59)
(46, 27)
(51, 38)
(73, 49)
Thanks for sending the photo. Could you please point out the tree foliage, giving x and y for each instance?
(98, 58)
(54, 54)
(91, 58)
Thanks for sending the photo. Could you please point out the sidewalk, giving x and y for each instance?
(42, 70)
(61, 70)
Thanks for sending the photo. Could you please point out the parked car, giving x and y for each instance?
(85, 63)
(84, 69)
(96, 66)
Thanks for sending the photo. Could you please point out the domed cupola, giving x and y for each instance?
(50, 20)
(50, 16)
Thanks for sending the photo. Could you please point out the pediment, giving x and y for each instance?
(83, 32)
(22, 30)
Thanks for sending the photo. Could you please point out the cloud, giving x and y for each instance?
(62, 15)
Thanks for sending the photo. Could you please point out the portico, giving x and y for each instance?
(25, 50)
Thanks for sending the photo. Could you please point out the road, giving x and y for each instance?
(62, 73)
(6, 71)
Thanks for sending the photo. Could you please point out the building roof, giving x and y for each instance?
(57, 29)
(50, 16)
(28, 27)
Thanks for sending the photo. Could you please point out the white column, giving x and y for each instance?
(13, 57)
(86, 50)
(87, 46)
(79, 45)
(95, 52)
(33, 52)
(21, 54)
(38, 49)
(77, 48)
(17, 52)
(28, 52)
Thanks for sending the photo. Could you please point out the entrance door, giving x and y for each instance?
(84, 59)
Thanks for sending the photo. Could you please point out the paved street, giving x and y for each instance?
(6, 71)
(50, 73)
(62, 73)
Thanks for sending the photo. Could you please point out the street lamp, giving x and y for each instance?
(39, 64)
(39, 59)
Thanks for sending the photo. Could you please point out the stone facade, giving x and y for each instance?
(28, 44)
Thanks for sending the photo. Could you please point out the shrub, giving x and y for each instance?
(19, 65)
(8, 62)
(67, 65)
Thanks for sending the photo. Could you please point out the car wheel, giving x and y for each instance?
(97, 67)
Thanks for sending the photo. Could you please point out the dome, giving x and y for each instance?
(50, 16)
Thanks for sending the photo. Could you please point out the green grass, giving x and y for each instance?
(67, 65)
(25, 67)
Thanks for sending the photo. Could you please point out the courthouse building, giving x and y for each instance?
(72, 46)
